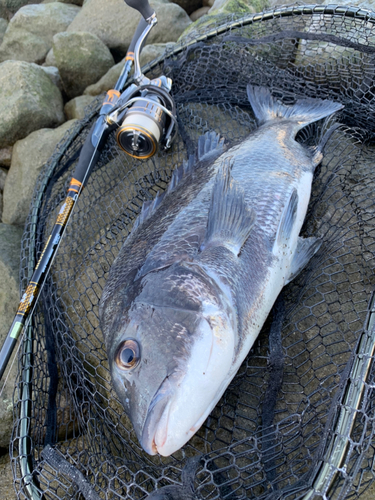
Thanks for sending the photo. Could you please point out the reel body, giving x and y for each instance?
(148, 121)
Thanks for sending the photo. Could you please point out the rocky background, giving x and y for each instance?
(56, 56)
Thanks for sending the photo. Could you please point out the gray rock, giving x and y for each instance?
(76, 107)
(98, 17)
(223, 8)
(10, 244)
(5, 157)
(199, 13)
(151, 52)
(54, 75)
(30, 32)
(3, 175)
(29, 156)
(367, 4)
(75, 2)
(108, 81)
(50, 59)
(3, 28)
(82, 59)
(6, 478)
(188, 5)
(28, 101)
(2, 183)
(9, 7)
(238, 6)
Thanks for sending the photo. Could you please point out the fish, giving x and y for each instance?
(194, 282)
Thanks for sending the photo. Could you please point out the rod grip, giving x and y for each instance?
(141, 6)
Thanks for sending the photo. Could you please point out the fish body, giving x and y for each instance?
(193, 284)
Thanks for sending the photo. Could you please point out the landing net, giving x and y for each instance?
(297, 422)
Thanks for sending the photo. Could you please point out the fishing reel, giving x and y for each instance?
(149, 121)
(145, 113)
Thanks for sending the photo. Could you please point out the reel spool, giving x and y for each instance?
(149, 122)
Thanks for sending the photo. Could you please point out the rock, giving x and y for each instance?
(3, 175)
(75, 2)
(10, 244)
(82, 59)
(221, 8)
(50, 59)
(151, 52)
(199, 13)
(76, 107)
(30, 32)
(6, 479)
(9, 7)
(28, 101)
(98, 17)
(108, 81)
(5, 157)
(238, 6)
(208, 3)
(3, 28)
(188, 5)
(54, 75)
(367, 4)
(29, 156)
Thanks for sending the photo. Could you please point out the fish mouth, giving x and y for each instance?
(155, 429)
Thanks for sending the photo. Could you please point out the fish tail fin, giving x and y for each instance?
(303, 112)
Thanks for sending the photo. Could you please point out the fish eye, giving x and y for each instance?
(127, 354)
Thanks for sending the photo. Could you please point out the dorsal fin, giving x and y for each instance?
(210, 146)
(148, 208)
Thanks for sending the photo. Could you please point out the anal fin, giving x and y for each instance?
(306, 249)
(230, 220)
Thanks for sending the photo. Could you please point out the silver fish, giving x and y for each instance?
(194, 282)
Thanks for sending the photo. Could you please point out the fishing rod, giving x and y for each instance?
(145, 116)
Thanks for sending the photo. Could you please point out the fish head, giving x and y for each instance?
(170, 361)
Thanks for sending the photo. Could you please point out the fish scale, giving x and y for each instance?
(194, 282)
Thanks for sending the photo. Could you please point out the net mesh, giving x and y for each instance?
(297, 422)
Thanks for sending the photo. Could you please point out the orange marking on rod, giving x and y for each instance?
(41, 257)
(112, 96)
(27, 299)
(65, 211)
(74, 185)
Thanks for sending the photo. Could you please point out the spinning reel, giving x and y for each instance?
(145, 113)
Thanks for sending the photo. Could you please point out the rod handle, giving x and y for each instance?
(141, 6)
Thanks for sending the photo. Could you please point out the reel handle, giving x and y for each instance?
(141, 6)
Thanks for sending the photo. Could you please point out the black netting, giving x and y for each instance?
(298, 419)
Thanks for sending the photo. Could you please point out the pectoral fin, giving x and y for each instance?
(230, 219)
(306, 249)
